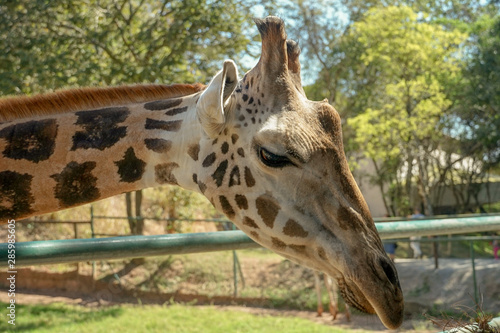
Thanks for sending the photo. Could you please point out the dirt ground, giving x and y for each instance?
(451, 284)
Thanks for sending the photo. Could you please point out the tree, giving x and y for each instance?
(475, 117)
(52, 44)
(479, 110)
(403, 63)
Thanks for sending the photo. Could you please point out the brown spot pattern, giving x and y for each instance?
(15, 195)
(194, 151)
(220, 172)
(241, 201)
(226, 206)
(160, 146)
(99, 128)
(234, 177)
(278, 244)
(130, 168)
(164, 175)
(202, 186)
(249, 180)
(298, 248)
(234, 138)
(163, 104)
(268, 209)
(294, 229)
(209, 160)
(250, 223)
(76, 184)
(171, 126)
(254, 234)
(241, 152)
(224, 147)
(32, 140)
(174, 112)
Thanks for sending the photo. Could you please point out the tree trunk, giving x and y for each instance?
(409, 173)
(130, 215)
(140, 220)
(135, 221)
(380, 183)
(424, 187)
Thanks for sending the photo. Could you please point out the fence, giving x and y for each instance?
(74, 250)
(44, 252)
(96, 249)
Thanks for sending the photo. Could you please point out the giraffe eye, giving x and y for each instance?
(272, 160)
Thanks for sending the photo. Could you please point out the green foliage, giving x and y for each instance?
(405, 60)
(408, 58)
(478, 106)
(52, 44)
(177, 203)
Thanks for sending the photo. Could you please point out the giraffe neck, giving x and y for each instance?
(65, 160)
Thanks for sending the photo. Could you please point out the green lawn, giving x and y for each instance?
(172, 318)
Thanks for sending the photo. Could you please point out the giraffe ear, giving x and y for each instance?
(214, 102)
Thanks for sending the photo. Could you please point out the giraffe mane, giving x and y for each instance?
(78, 99)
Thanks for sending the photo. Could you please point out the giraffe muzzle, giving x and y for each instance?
(381, 294)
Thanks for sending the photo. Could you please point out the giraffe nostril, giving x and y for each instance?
(389, 270)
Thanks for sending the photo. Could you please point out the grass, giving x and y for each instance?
(167, 318)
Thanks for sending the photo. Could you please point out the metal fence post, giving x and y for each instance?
(75, 229)
(476, 299)
(235, 274)
(436, 254)
(235, 269)
(92, 231)
(92, 221)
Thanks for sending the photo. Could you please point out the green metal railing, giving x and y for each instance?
(95, 249)
(436, 227)
(74, 250)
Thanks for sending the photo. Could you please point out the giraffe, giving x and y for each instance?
(267, 157)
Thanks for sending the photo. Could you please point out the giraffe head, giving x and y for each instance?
(274, 163)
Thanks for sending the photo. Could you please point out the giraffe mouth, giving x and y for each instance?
(374, 288)
(349, 293)
(372, 299)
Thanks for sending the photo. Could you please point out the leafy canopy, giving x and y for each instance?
(52, 44)
(406, 59)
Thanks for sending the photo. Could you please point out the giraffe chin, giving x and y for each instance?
(351, 294)
(363, 299)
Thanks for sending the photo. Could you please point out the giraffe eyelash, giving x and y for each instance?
(273, 160)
